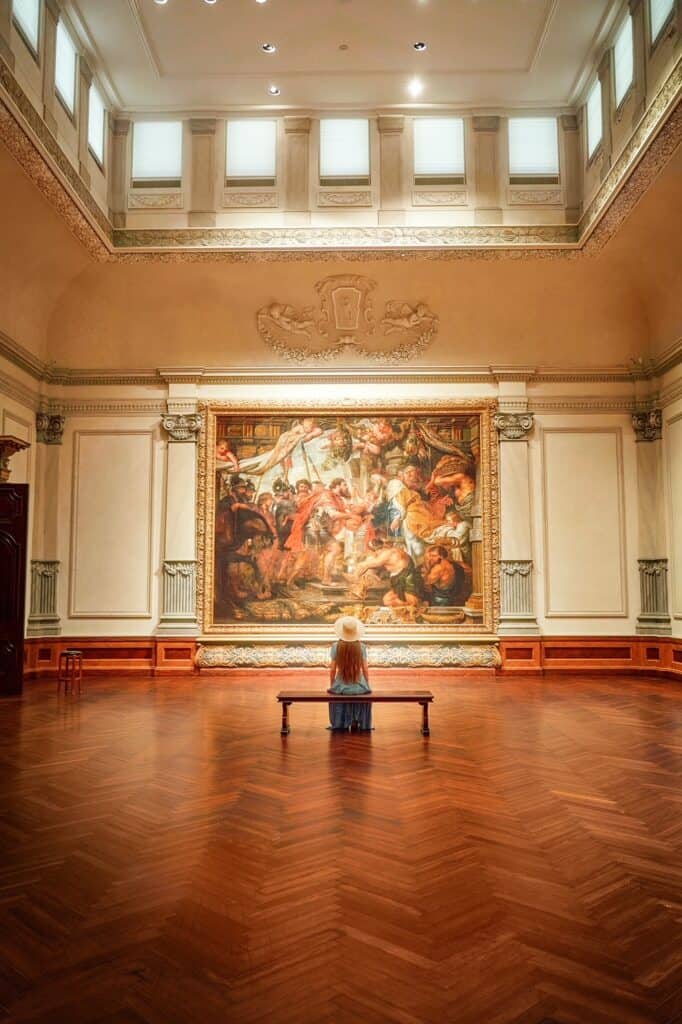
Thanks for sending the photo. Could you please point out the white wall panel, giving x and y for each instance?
(673, 443)
(584, 527)
(111, 536)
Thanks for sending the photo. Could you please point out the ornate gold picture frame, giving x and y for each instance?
(244, 444)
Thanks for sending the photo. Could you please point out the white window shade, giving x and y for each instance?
(157, 151)
(533, 147)
(27, 16)
(96, 119)
(438, 147)
(623, 60)
(251, 149)
(660, 11)
(344, 148)
(594, 118)
(65, 68)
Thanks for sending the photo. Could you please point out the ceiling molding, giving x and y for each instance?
(143, 35)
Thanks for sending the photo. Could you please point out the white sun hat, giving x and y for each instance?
(349, 628)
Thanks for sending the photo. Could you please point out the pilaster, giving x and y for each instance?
(571, 169)
(296, 164)
(51, 12)
(6, 33)
(178, 605)
(392, 193)
(203, 173)
(487, 164)
(516, 553)
(84, 83)
(44, 598)
(120, 171)
(639, 85)
(654, 616)
(606, 81)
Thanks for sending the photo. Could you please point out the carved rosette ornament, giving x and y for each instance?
(648, 426)
(345, 324)
(183, 427)
(513, 426)
(49, 428)
(9, 446)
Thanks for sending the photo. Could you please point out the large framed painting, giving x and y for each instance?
(389, 514)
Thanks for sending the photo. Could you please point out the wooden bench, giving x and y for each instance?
(289, 697)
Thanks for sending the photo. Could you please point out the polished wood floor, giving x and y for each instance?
(167, 858)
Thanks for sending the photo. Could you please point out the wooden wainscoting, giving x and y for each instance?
(638, 654)
(105, 655)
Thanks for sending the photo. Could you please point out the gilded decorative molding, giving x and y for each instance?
(345, 322)
(183, 427)
(535, 197)
(513, 426)
(430, 197)
(50, 427)
(317, 655)
(361, 197)
(489, 497)
(648, 426)
(246, 199)
(155, 201)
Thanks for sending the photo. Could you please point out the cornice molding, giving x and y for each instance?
(36, 149)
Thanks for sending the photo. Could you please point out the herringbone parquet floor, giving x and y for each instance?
(167, 858)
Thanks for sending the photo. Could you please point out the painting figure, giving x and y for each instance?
(326, 514)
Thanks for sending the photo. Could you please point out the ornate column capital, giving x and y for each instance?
(49, 428)
(182, 427)
(203, 125)
(513, 426)
(84, 70)
(569, 122)
(391, 123)
(648, 426)
(489, 123)
(120, 126)
(9, 446)
(297, 124)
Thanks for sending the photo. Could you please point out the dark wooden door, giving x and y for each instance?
(13, 554)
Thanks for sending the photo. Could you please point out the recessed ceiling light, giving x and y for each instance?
(274, 90)
(261, 1)
(160, 2)
(210, 2)
(268, 48)
(419, 47)
(415, 87)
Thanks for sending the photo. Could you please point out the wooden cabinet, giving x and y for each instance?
(13, 555)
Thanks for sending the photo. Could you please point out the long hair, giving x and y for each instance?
(349, 661)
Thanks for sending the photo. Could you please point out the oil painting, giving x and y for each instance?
(376, 514)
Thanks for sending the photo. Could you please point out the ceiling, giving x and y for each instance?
(187, 55)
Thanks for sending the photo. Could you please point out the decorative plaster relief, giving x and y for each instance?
(453, 197)
(314, 655)
(247, 199)
(346, 323)
(357, 198)
(648, 426)
(49, 428)
(534, 196)
(155, 201)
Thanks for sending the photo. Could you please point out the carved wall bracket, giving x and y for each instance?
(513, 426)
(9, 446)
(648, 426)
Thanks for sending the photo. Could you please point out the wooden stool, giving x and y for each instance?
(70, 671)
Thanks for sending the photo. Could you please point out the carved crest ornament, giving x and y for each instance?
(345, 324)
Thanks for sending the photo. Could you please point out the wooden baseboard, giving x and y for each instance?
(623, 654)
(148, 656)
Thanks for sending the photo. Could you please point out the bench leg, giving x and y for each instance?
(285, 720)
(425, 720)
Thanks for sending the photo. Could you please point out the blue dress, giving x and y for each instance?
(342, 716)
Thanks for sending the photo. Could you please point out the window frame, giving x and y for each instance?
(619, 104)
(592, 156)
(233, 181)
(435, 180)
(655, 40)
(342, 180)
(33, 50)
(545, 178)
(101, 163)
(169, 183)
(71, 114)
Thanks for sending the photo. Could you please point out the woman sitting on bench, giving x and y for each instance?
(348, 674)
